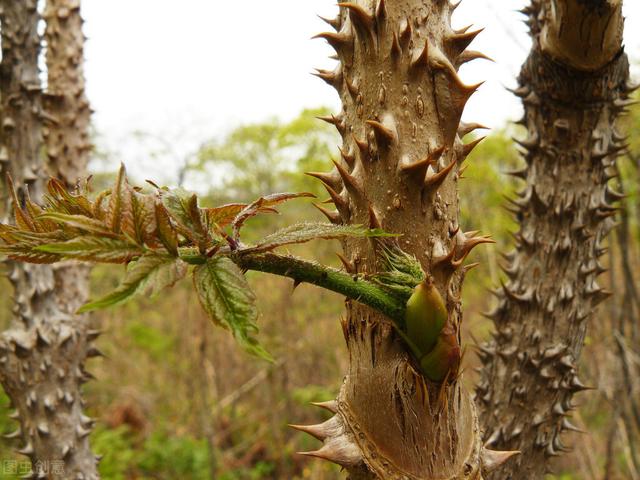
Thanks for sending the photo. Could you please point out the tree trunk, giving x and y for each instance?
(401, 159)
(42, 355)
(67, 131)
(573, 86)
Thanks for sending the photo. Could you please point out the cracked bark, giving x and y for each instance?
(573, 87)
(42, 355)
(402, 155)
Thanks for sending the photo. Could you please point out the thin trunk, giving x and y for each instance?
(401, 158)
(574, 87)
(42, 355)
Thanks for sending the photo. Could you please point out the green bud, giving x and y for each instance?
(425, 316)
(444, 359)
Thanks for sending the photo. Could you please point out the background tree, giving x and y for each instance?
(574, 87)
(43, 353)
(266, 157)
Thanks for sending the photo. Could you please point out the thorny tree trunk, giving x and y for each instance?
(402, 156)
(573, 86)
(42, 355)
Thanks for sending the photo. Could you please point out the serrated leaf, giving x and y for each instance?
(182, 207)
(224, 214)
(119, 202)
(27, 254)
(62, 200)
(148, 275)
(97, 208)
(141, 223)
(22, 218)
(229, 301)
(94, 249)
(305, 232)
(166, 232)
(80, 222)
(263, 204)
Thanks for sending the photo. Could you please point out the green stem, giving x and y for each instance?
(337, 281)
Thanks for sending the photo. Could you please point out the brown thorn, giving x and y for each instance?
(327, 178)
(359, 16)
(460, 41)
(491, 459)
(471, 55)
(467, 148)
(330, 405)
(374, 220)
(332, 78)
(471, 266)
(435, 180)
(336, 40)
(363, 146)
(472, 243)
(463, 29)
(348, 266)
(405, 32)
(466, 128)
(384, 135)
(349, 159)
(419, 169)
(340, 203)
(332, 216)
(335, 121)
(316, 431)
(444, 260)
(423, 58)
(381, 10)
(352, 87)
(396, 49)
(350, 182)
(334, 22)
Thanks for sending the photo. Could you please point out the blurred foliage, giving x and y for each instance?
(268, 157)
(176, 399)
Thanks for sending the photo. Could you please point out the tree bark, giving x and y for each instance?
(573, 87)
(42, 355)
(402, 155)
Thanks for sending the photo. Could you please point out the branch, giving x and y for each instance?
(351, 286)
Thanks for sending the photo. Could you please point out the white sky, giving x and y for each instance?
(185, 71)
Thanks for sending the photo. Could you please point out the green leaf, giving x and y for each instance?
(402, 274)
(148, 275)
(229, 301)
(94, 249)
(397, 260)
(305, 232)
